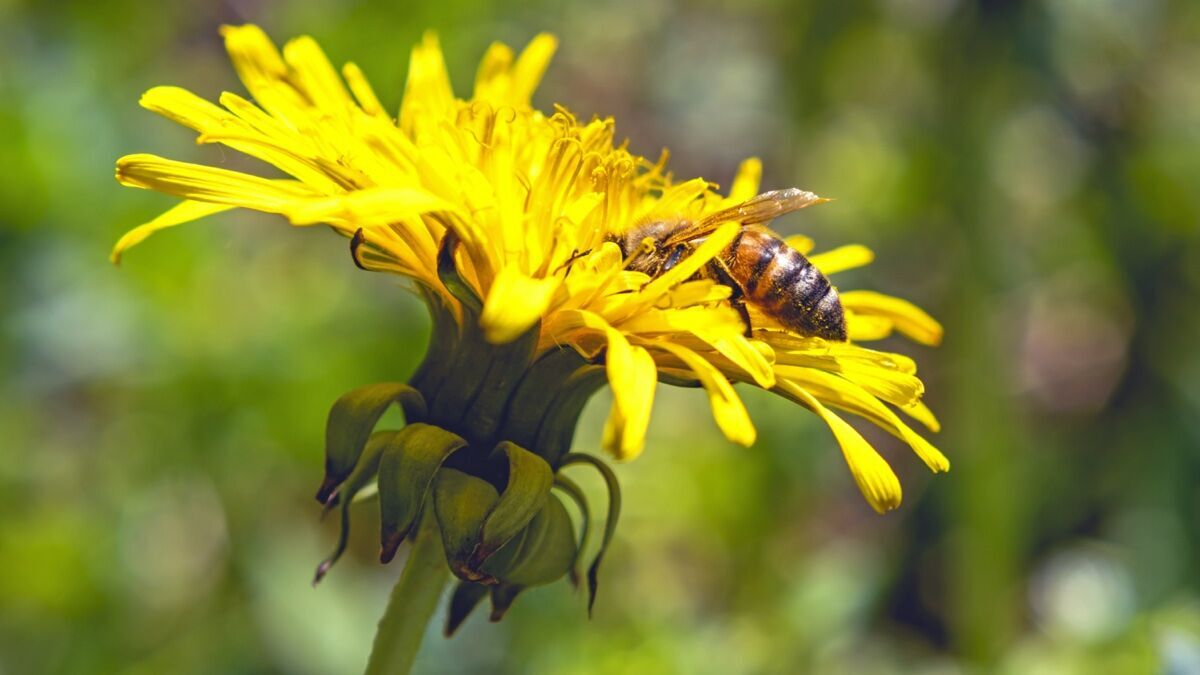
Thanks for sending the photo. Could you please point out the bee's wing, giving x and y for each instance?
(761, 209)
(765, 207)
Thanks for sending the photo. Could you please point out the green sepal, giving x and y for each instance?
(610, 524)
(462, 502)
(558, 428)
(542, 553)
(443, 343)
(463, 601)
(509, 363)
(364, 471)
(447, 270)
(406, 472)
(529, 481)
(503, 596)
(462, 377)
(351, 421)
(464, 372)
(536, 392)
(573, 491)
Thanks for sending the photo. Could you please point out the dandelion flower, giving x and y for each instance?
(506, 220)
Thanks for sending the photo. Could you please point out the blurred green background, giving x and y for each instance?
(1027, 171)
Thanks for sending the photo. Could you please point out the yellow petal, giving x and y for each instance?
(362, 90)
(183, 212)
(749, 359)
(565, 238)
(715, 328)
(271, 143)
(550, 192)
(263, 72)
(875, 479)
(728, 410)
(696, 292)
(908, 318)
(746, 181)
(253, 132)
(866, 328)
(841, 393)
(530, 66)
(515, 303)
(715, 320)
(842, 259)
(794, 350)
(367, 208)
(590, 276)
(183, 107)
(631, 376)
(582, 207)
(210, 184)
(800, 242)
(427, 93)
(921, 413)
(492, 77)
(891, 377)
(636, 376)
(900, 389)
(675, 199)
(315, 76)
(888, 360)
(253, 54)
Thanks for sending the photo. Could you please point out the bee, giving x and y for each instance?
(761, 269)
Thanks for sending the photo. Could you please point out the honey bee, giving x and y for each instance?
(760, 268)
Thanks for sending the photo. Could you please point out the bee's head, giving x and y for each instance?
(644, 240)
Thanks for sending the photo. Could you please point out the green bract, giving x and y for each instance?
(488, 430)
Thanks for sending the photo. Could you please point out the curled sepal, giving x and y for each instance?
(364, 471)
(406, 471)
(610, 524)
(462, 502)
(542, 553)
(572, 490)
(503, 596)
(464, 600)
(351, 420)
(529, 481)
(447, 270)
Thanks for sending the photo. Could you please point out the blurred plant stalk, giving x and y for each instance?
(411, 605)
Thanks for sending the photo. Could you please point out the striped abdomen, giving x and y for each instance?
(781, 282)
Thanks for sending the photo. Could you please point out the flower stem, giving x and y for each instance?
(413, 600)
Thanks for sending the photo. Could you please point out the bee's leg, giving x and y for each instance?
(740, 306)
(737, 294)
(670, 260)
(674, 257)
(575, 255)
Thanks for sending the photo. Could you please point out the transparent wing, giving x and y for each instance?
(765, 207)
(761, 209)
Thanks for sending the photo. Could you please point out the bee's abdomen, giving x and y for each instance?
(783, 283)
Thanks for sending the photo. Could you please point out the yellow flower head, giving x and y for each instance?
(506, 218)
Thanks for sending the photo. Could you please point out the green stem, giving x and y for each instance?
(412, 603)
